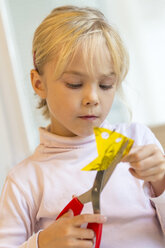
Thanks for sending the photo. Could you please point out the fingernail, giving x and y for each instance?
(124, 159)
(70, 211)
(103, 218)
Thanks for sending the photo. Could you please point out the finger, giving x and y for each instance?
(81, 243)
(68, 214)
(152, 171)
(132, 151)
(155, 178)
(140, 153)
(88, 218)
(155, 160)
(133, 173)
(83, 233)
(151, 178)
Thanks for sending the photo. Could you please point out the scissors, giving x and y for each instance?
(93, 195)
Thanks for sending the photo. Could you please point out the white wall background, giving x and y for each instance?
(141, 25)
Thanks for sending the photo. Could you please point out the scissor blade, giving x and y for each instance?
(102, 178)
(96, 190)
(93, 193)
(87, 196)
(112, 166)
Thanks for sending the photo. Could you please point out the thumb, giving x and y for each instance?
(68, 214)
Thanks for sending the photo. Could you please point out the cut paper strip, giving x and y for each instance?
(108, 145)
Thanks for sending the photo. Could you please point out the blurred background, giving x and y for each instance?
(141, 26)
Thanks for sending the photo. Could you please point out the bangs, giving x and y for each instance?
(94, 51)
(96, 48)
(99, 47)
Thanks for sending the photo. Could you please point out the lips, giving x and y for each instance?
(88, 117)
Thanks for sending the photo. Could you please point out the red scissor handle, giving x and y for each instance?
(77, 207)
(97, 228)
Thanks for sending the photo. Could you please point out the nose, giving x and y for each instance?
(90, 97)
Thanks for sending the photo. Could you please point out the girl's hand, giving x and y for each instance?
(148, 163)
(67, 231)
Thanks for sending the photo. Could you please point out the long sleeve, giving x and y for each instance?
(16, 218)
(160, 206)
(158, 202)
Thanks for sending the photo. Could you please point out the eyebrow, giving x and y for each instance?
(85, 75)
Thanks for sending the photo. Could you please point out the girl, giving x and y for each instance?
(80, 62)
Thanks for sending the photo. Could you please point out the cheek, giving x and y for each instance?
(61, 102)
(106, 106)
(108, 100)
(53, 101)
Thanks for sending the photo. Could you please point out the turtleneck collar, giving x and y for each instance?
(48, 139)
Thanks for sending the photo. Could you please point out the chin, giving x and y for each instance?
(86, 133)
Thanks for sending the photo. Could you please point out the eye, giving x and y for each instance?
(74, 86)
(108, 82)
(106, 86)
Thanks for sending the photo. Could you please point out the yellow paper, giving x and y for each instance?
(108, 144)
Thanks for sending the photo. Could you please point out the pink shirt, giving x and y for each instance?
(37, 189)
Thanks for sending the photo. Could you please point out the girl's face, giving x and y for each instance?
(80, 100)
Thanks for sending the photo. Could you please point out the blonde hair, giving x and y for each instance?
(60, 33)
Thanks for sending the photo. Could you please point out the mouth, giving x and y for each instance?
(89, 117)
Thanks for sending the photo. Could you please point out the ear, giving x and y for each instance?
(38, 84)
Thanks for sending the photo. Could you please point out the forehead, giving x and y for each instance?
(91, 56)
